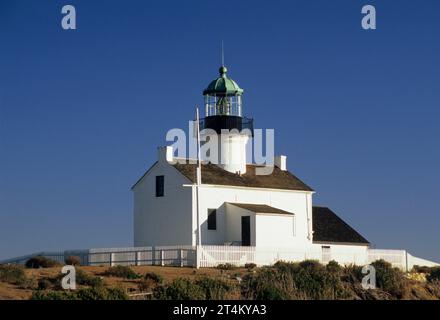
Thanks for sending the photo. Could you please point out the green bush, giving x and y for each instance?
(214, 289)
(305, 280)
(13, 274)
(250, 266)
(53, 295)
(102, 293)
(203, 288)
(122, 272)
(268, 284)
(333, 267)
(150, 281)
(434, 288)
(82, 278)
(146, 285)
(95, 293)
(154, 277)
(434, 274)
(179, 289)
(272, 292)
(73, 261)
(226, 266)
(352, 274)
(44, 284)
(389, 279)
(41, 262)
(421, 269)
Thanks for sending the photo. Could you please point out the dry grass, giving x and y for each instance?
(413, 289)
(12, 292)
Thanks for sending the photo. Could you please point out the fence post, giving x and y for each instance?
(111, 259)
(136, 258)
(198, 256)
(181, 257)
(162, 262)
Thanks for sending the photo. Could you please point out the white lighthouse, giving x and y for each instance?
(224, 123)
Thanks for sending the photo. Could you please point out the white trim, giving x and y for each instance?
(248, 188)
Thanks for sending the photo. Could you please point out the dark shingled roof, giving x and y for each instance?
(212, 174)
(328, 227)
(260, 208)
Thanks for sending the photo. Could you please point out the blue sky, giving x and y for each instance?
(82, 112)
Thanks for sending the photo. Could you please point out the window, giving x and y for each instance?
(326, 254)
(160, 186)
(212, 219)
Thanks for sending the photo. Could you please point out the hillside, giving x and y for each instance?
(306, 280)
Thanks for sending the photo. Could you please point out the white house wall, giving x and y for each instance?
(161, 221)
(344, 253)
(212, 197)
(233, 224)
(276, 231)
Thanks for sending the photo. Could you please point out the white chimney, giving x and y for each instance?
(281, 162)
(165, 154)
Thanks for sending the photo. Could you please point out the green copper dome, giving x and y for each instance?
(223, 86)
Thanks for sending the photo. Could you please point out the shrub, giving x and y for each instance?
(150, 281)
(95, 293)
(41, 262)
(44, 284)
(434, 288)
(214, 289)
(389, 279)
(226, 266)
(421, 269)
(333, 267)
(117, 293)
(73, 261)
(84, 279)
(314, 281)
(154, 277)
(179, 289)
(306, 280)
(13, 274)
(272, 293)
(250, 266)
(122, 272)
(53, 295)
(267, 284)
(434, 275)
(352, 274)
(146, 285)
(102, 293)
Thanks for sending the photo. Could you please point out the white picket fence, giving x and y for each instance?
(212, 256)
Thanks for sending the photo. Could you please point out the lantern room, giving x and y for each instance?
(223, 96)
(223, 105)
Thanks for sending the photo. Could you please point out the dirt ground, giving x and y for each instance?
(13, 292)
